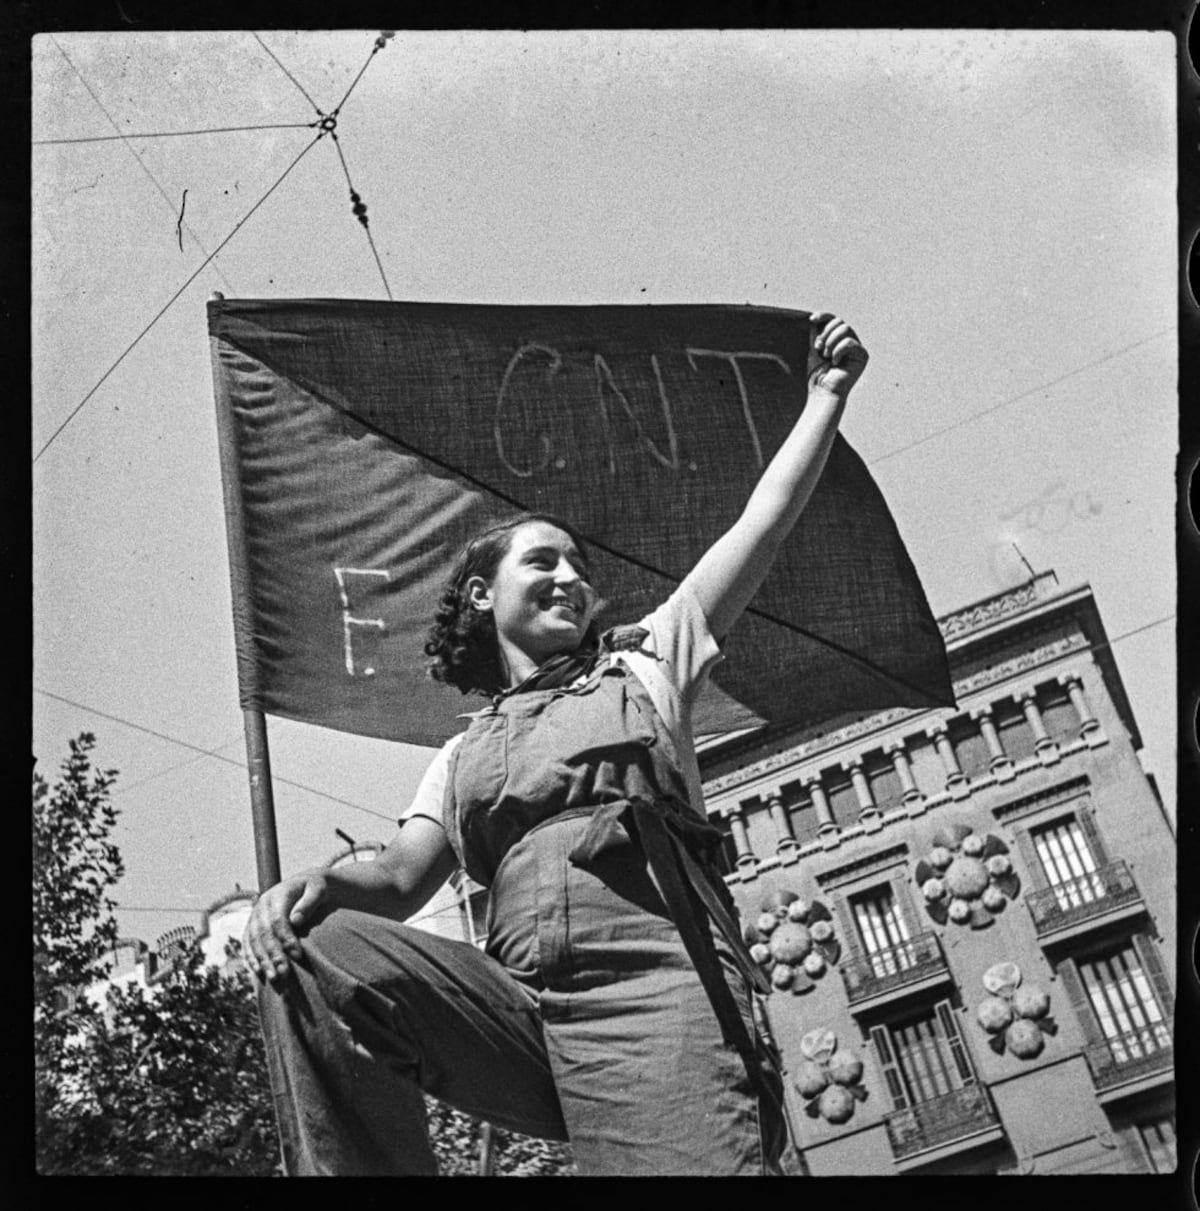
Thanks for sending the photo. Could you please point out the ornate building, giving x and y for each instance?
(967, 914)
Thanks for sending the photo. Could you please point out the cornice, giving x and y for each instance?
(984, 613)
(1062, 792)
(991, 674)
(868, 864)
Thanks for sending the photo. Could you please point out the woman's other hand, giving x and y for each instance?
(270, 941)
(836, 357)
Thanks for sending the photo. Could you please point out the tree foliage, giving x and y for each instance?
(171, 1080)
(75, 864)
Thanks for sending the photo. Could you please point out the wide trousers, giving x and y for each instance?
(584, 1021)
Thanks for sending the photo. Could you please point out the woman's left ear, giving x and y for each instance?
(479, 593)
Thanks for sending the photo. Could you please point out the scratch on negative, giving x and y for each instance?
(179, 225)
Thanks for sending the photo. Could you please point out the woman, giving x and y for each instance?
(613, 1006)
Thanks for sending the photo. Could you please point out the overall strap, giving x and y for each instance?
(667, 835)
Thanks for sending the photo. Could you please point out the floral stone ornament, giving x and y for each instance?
(793, 939)
(965, 877)
(828, 1080)
(1016, 1015)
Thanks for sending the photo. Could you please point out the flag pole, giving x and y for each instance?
(258, 754)
(262, 798)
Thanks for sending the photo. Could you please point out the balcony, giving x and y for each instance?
(911, 966)
(933, 1130)
(1071, 908)
(1132, 1062)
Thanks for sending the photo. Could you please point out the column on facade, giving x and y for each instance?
(741, 838)
(909, 793)
(786, 844)
(1088, 723)
(826, 825)
(956, 780)
(999, 761)
(867, 808)
(1042, 742)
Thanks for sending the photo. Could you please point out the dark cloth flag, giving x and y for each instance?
(363, 443)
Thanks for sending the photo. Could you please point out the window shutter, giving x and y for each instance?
(847, 929)
(1087, 822)
(1029, 859)
(1077, 995)
(1152, 964)
(902, 896)
(958, 1049)
(887, 1061)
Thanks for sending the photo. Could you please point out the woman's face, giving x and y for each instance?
(540, 597)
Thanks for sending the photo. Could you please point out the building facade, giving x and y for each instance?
(967, 913)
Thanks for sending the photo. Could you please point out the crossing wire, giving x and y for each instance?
(1004, 403)
(287, 73)
(200, 269)
(214, 754)
(169, 134)
(360, 212)
(129, 147)
(379, 44)
(360, 209)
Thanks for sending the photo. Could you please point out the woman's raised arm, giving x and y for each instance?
(732, 569)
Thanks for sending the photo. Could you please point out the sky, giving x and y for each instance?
(993, 211)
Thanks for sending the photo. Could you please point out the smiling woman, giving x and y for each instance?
(519, 594)
(613, 1005)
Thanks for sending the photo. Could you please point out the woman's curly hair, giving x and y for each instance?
(462, 640)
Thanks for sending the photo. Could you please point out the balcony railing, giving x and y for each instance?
(1081, 899)
(869, 976)
(934, 1124)
(1128, 1057)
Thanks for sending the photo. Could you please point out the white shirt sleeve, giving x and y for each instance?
(431, 790)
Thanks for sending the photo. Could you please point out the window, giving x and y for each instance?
(970, 748)
(1158, 1139)
(886, 789)
(881, 926)
(801, 811)
(1119, 995)
(1068, 851)
(1059, 716)
(1016, 736)
(843, 803)
(922, 1056)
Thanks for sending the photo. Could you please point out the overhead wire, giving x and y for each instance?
(1013, 399)
(327, 124)
(1135, 631)
(124, 138)
(360, 211)
(384, 37)
(171, 134)
(191, 278)
(287, 73)
(127, 787)
(212, 753)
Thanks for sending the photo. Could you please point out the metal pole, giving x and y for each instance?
(262, 798)
(258, 759)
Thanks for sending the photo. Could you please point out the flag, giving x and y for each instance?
(363, 443)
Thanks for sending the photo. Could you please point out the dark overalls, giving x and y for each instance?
(613, 1004)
